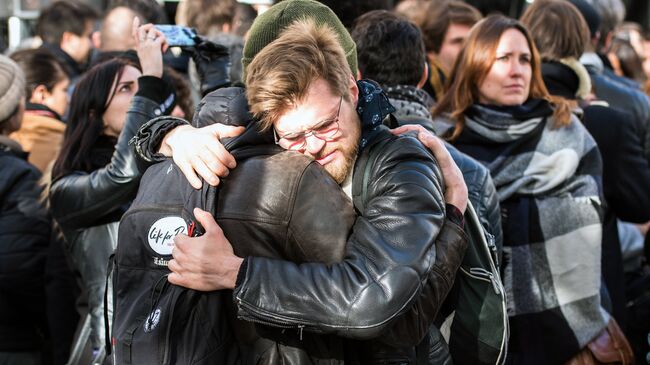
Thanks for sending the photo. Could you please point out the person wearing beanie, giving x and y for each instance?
(302, 39)
(268, 26)
(12, 91)
(24, 233)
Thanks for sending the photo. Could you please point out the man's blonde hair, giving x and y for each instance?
(281, 73)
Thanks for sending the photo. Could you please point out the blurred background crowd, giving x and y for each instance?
(55, 44)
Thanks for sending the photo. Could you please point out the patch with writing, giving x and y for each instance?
(160, 261)
(162, 232)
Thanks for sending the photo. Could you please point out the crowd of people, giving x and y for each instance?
(360, 182)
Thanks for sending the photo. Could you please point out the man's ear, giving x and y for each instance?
(609, 38)
(66, 39)
(96, 38)
(353, 89)
(431, 56)
(424, 77)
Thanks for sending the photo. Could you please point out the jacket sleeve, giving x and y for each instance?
(388, 257)
(148, 138)
(411, 327)
(79, 199)
(482, 194)
(489, 212)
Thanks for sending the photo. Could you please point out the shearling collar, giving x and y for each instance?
(567, 78)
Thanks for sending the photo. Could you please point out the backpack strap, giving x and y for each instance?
(204, 198)
(107, 331)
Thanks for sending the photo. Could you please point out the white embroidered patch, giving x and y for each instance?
(170, 168)
(152, 321)
(162, 232)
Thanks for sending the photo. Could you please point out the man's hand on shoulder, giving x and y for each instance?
(455, 187)
(204, 263)
(199, 152)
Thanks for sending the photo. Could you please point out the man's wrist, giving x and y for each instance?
(233, 264)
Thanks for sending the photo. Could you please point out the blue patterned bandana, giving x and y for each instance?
(373, 106)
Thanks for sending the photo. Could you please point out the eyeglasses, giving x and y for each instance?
(326, 131)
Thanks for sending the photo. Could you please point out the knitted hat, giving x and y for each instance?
(267, 27)
(12, 86)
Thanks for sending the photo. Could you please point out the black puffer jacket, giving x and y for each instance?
(390, 255)
(88, 206)
(24, 239)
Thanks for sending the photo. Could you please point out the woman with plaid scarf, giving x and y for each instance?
(547, 171)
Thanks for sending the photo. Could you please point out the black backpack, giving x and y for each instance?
(156, 322)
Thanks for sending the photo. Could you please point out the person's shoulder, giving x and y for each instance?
(17, 173)
(401, 152)
(473, 171)
(13, 164)
(225, 105)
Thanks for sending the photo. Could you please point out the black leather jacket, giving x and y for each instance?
(88, 206)
(390, 255)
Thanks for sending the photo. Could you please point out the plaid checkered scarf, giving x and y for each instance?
(549, 184)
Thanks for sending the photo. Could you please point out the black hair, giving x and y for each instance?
(41, 67)
(85, 125)
(349, 10)
(64, 16)
(149, 9)
(390, 48)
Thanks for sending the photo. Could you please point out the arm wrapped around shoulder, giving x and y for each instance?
(411, 327)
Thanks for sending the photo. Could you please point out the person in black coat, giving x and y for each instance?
(626, 173)
(24, 234)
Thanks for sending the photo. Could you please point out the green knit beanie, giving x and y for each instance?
(267, 27)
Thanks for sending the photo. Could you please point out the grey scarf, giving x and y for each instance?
(549, 183)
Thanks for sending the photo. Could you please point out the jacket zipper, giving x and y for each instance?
(274, 323)
(493, 248)
(484, 275)
(163, 208)
(506, 324)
